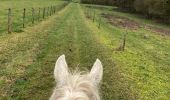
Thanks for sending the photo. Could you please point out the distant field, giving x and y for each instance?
(17, 7)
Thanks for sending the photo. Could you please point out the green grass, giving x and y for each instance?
(17, 7)
(136, 17)
(145, 62)
(27, 59)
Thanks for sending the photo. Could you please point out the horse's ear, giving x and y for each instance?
(96, 73)
(61, 70)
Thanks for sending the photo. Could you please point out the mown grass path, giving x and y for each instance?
(28, 58)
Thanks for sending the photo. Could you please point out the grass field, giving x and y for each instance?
(17, 7)
(140, 72)
(145, 63)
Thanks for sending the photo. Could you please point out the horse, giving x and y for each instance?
(76, 85)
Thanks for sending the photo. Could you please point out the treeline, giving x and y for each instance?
(150, 8)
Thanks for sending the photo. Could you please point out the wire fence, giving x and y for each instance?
(27, 17)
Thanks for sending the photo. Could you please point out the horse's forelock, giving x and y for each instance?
(79, 84)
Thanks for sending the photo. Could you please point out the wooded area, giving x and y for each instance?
(150, 8)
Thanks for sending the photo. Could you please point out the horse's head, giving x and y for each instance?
(76, 86)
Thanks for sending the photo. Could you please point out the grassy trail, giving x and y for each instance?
(29, 72)
(27, 59)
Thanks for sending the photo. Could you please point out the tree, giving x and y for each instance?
(150, 8)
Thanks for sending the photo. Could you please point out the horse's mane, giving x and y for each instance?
(76, 85)
(78, 81)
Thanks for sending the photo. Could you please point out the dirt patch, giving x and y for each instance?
(99, 7)
(159, 30)
(130, 24)
(122, 22)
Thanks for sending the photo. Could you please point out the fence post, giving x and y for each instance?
(99, 22)
(44, 13)
(24, 18)
(89, 13)
(47, 10)
(124, 41)
(50, 10)
(33, 12)
(54, 9)
(39, 11)
(9, 20)
(94, 16)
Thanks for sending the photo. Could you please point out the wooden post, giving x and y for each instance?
(9, 20)
(44, 13)
(54, 9)
(86, 12)
(94, 16)
(39, 12)
(50, 10)
(47, 11)
(99, 22)
(24, 18)
(33, 13)
(124, 41)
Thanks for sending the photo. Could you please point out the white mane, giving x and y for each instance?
(76, 86)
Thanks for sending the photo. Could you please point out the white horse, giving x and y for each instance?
(75, 86)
